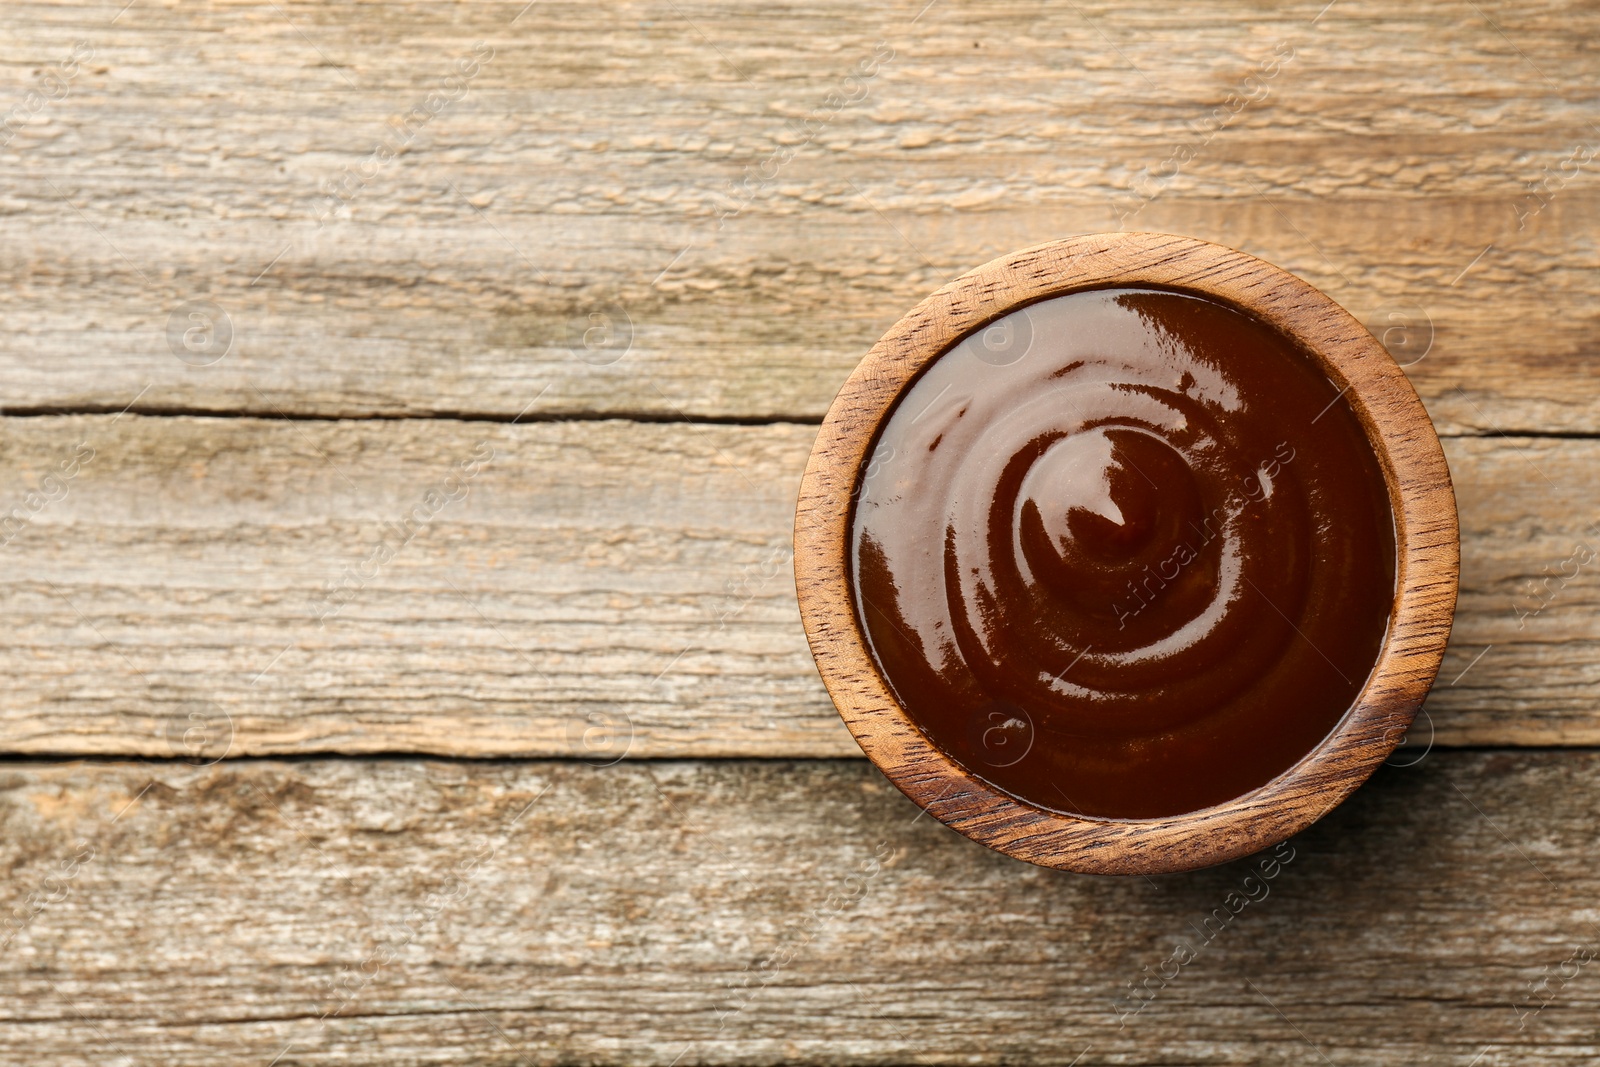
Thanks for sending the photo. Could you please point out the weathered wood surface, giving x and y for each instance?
(611, 588)
(409, 912)
(600, 588)
(588, 162)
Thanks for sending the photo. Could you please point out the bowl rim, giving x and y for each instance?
(1426, 542)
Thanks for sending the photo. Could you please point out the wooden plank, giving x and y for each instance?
(407, 912)
(595, 589)
(634, 574)
(599, 166)
(1527, 633)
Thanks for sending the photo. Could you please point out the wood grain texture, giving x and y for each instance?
(1427, 561)
(596, 574)
(589, 163)
(401, 912)
(610, 588)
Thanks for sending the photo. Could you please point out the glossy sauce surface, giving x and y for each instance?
(1124, 553)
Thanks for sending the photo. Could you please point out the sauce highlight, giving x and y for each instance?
(1124, 553)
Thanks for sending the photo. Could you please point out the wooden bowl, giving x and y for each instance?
(1426, 538)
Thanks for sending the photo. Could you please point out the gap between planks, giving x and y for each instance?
(642, 417)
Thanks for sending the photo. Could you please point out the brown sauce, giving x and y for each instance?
(1124, 553)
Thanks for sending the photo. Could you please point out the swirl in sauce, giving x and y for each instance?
(1125, 553)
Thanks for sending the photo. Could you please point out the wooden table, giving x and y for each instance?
(407, 401)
